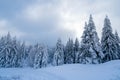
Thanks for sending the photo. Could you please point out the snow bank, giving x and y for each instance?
(106, 71)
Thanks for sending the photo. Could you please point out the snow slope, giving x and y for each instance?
(106, 71)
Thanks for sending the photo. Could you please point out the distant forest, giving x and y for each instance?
(90, 50)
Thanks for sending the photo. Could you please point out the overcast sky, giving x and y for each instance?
(45, 21)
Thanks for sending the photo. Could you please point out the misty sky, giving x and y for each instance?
(45, 21)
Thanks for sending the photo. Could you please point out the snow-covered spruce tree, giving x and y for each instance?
(90, 51)
(31, 55)
(41, 56)
(58, 58)
(14, 52)
(22, 55)
(44, 52)
(9, 52)
(2, 55)
(117, 37)
(69, 52)
(117, 43)
(51, 52)
(76, 51)
(38, 56)
(108, 41)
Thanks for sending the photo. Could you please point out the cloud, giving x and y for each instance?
(6, 27)
(76, 12)
(47, 20)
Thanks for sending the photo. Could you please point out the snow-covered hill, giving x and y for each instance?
(106, 71)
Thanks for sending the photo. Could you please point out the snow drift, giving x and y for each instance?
(106, 71)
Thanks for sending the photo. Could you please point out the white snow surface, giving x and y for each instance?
(106, 71)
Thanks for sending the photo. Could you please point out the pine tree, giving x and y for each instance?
(44, 52)
(31, 55)
(90, 45)
(69, 52)
(117, 37)
(117, 41)
(38, 56)
(2, 55)
(76, 51)
(108, 42)
(22, 55)
(51, 52)
(58, 58)
(41, 56)
(14, 52)
(84, 49)
(8, 51)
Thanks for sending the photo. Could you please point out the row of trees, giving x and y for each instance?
(90, 49)
(14, 53)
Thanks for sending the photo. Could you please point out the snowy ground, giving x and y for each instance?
(106, 71)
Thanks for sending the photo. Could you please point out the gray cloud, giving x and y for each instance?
(47, 20)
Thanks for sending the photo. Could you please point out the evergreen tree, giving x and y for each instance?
(51, 52)
(76, 51)
(117, 37)
(14, 52)
(58, 58)
(117, 41)
(108, 42)
(44, 52)
(2, 55)
(31, 55)
(69, 52)
(41, 56)
(90, 45)
(22, 56)
(8, 53)
(38, 56)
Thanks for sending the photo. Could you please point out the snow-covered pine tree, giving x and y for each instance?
(41, 56)
(31, 55)
(8, 51)
(76, 51)
(51, 52)
(58, 58)
(14, 52)
(44, 59)
(2, 55)
(38, 56)
(108, 42)
(90, 45)
(69, 52)
(84, 48)
(117, 37)
(22, 55)
(117, 43)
